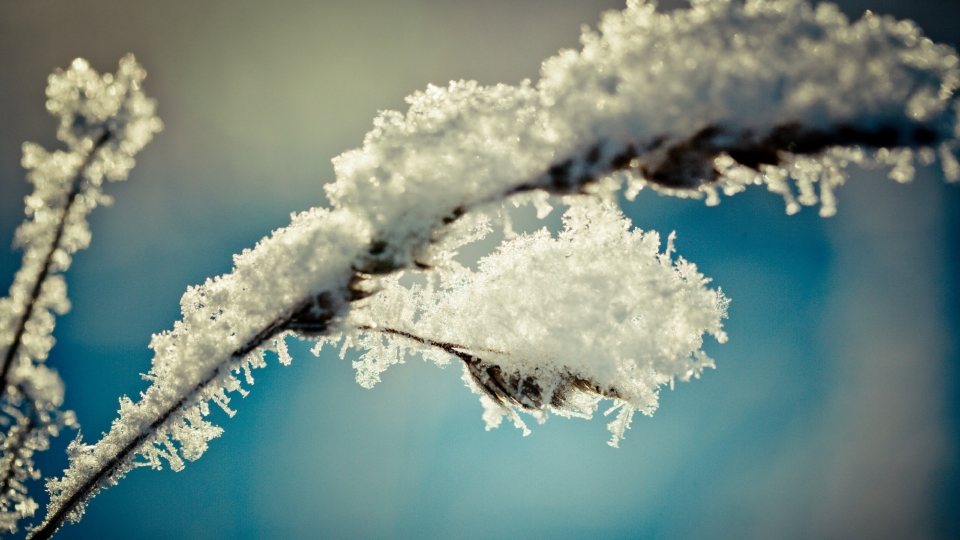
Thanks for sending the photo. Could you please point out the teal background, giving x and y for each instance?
(833, 412)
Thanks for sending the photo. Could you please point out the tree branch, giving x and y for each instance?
(314, 316)
(592, 114)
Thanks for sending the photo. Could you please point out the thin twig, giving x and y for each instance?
(38, 286)
(54, 522)
(506, 388)
(488, 377)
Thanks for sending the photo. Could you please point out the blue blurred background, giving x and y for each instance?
(833, 412)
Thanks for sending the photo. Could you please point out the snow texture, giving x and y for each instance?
(552, 324)
(694, 103)
(672, 100)
(104, 121)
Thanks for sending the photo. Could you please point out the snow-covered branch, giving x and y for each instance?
(104, 121)
(694, 103)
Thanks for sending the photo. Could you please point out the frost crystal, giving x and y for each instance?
(554, 324)
(104, 121)
(109, 112)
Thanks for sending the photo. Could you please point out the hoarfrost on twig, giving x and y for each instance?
(104, 121)
(694, 104)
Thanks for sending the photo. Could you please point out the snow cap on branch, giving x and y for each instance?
(695, 101)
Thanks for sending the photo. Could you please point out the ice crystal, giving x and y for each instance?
(553, 324)
(91, 106)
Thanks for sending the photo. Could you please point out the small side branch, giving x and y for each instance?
(13, 447)
(506, 389)
(75, 188)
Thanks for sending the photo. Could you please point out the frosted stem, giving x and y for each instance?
(689, 163)
(88, 488)
(14, 449)
(111, 466)
(11, 352)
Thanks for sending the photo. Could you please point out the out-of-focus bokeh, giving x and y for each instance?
(833, 412)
